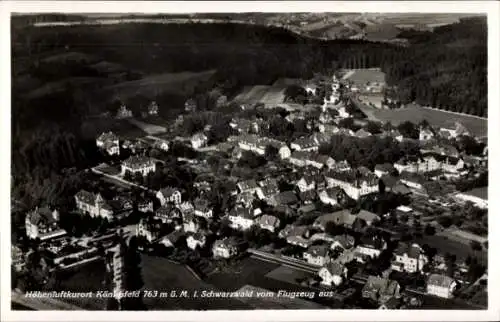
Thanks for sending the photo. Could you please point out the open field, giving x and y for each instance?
(69, 57)
(63, 85)
(444, 245)
(162, 275)
(261, 94)
(154, 85)
(123, 128)
(436, 118)
(287, 274)
(362, 76)
(150, 129)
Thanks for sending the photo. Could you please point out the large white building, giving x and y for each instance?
(409, 258)
(93, 205)
(441, 286)
(355, 184)
(138, 164)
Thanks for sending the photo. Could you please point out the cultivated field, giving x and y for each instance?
(154, 85)
(436, 118)
(261, 94)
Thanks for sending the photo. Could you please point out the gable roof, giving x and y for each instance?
(440, 280)
(41, 215)
(268, 220)
(167, 192)
(367, 216)
(335, 268)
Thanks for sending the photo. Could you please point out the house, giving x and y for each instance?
(332, 196)
(169, 195)
(345, 242)
(362, 133)
(453, 164)
(149, 228)
(306, 183)
(250, 186)
(138, 164)
(383, 169)
(426, 134)
(328, 128)
(354, 183)
(412, 180)
(259, 144)
(333, 273)
(145, 205)
(167, 213)
(109, 142)
(341, 166)
(371, 247)
(283, 198)
(268, 188)
(409, 258)
(93, 205)
(246, 199)
(304, 144)
(153, 108)
(478, 196)
(268, 222)
(202, 208)
(43, 223)
(162, 145)
(190, 223)
(380, 289)
(241, 218)
(123, 112)
(441, 286)
(196, 240)
(339, 218)
(396, 135)
(199, 140)
(307, 198)
(173, 239)
(317, 255)
(224, 248)
(299, 158)
(394, 185)
(190, 105)
(293, 230)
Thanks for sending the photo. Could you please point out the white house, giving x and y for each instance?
(304, 144)
(196, 240)
(441, 286)
(426, 134)
(203, 209)
(333, 274)
(109, 142)
(123, 112)
(409, 258)
(372, 248)
(169, 194)
(384, 168)
(138, 164)
(149, 229)
(306, 183)
(317, 255)
(344, 242)
(198, 140)
(355, 184)
(241, 218)
(224, 248)
(250, 186)
(153, 108)
(331, 196)
(42, 223)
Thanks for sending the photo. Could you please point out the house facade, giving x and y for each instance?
(42, 223)
(169, 195)
(138, 164)
(196, 240)
(441, 286)
(241, 218)
(93, 205)
(224, 248)
(268, 222)
(354, 184)
(317, 255)
(409, 258)
(109, 142)
(333, 274)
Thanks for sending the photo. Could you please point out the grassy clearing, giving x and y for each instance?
(261, 94)
(436, 118)
(444, 245)
(150, 129)
(123, 128)
(154, 85)
(287, 274)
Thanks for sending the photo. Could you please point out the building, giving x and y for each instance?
(169, 195)
(305, 144)
(242, 218)
(268, 222)
(426, 134)
(409, 258)
(362, 134)
(42, 223)
(344, 242)
(333, 273)
(268, 187)
(162, 145)
(202, 208)
(332, 196)
(199, 140)
(285, 198)
(93, 205)
(380, 289)
(306, 183)
(339, 218)
(145, 206)
(299, 158)
(371, 247)
(250, 186)
(224, 248)
(138, 164)
(149, 228)
(109, 142)
(412, 180)
(259, 144)
(317, 255)
(173, 239)
(123, 112)
(384, 169)
(196, 240)
(441, 286)
(190, 105)
(153, 108)
(167, 213)
(368, 217)
(354, 183)
(190, 223)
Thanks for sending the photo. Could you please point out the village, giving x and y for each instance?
(377, 215)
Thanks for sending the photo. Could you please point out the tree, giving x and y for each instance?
(295, 93)
(373, 127)
(271, 152)
(475, 245)
(429, 230)
(408, 130)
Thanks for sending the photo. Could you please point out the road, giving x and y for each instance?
(288, 262)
